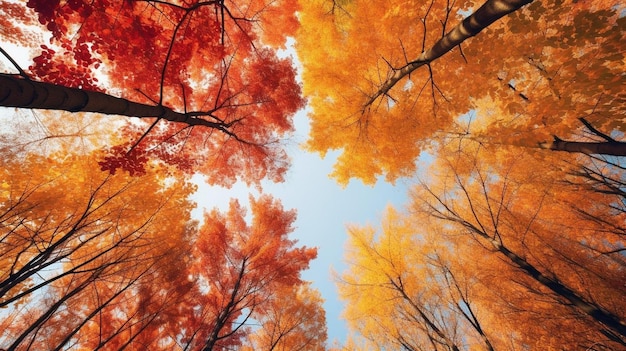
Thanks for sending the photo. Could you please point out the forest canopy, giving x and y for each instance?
(505, 117)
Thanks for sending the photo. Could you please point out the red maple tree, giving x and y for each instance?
(204, 77)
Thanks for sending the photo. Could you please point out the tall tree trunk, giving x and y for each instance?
(610, 320)
(615, 326)
(612, 148)
(16, 91)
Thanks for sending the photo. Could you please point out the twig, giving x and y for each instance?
(19, 69)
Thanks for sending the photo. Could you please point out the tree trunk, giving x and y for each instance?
(608, 319)
(488, 13)
(615, 326)
(612, 148)
(19, 92)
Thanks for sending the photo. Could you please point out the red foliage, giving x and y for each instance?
(188, 57)
(119, 158)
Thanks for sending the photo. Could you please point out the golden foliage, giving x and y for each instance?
(525, 78)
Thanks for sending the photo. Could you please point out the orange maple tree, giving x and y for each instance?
(394, 78)
(238, 268)
(203, 76)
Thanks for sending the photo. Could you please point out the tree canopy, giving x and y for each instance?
(127, 100)
(505, 243)
(490, 255)
(92, 260)
(395, 78)
(204, 77)
(507, 117)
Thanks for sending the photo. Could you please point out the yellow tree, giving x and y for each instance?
(500, 250)
(394, 76)
(401, 293)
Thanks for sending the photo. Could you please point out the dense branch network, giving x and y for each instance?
(445, 210)
(28, 93)
(193, 64)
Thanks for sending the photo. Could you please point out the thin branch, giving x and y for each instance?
(14, 63)
(596, 131)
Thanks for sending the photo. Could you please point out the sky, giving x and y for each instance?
(324, 209)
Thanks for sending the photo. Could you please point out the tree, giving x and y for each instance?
(236, 269)
(499, 250)
(539, 231)
(203, 75)
(410, 77)
(401, 293)
(76, 242)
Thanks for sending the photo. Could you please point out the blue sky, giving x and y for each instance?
(324, 208)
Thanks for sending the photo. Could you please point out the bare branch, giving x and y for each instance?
(14, 63)
(595, 131)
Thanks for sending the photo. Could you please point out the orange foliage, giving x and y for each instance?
(92, 260)
(532, 245)
(238, 268)
(76, 240)
(291, 320)
(550, 240)
(561, 61)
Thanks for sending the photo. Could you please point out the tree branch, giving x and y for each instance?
(488, 13)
